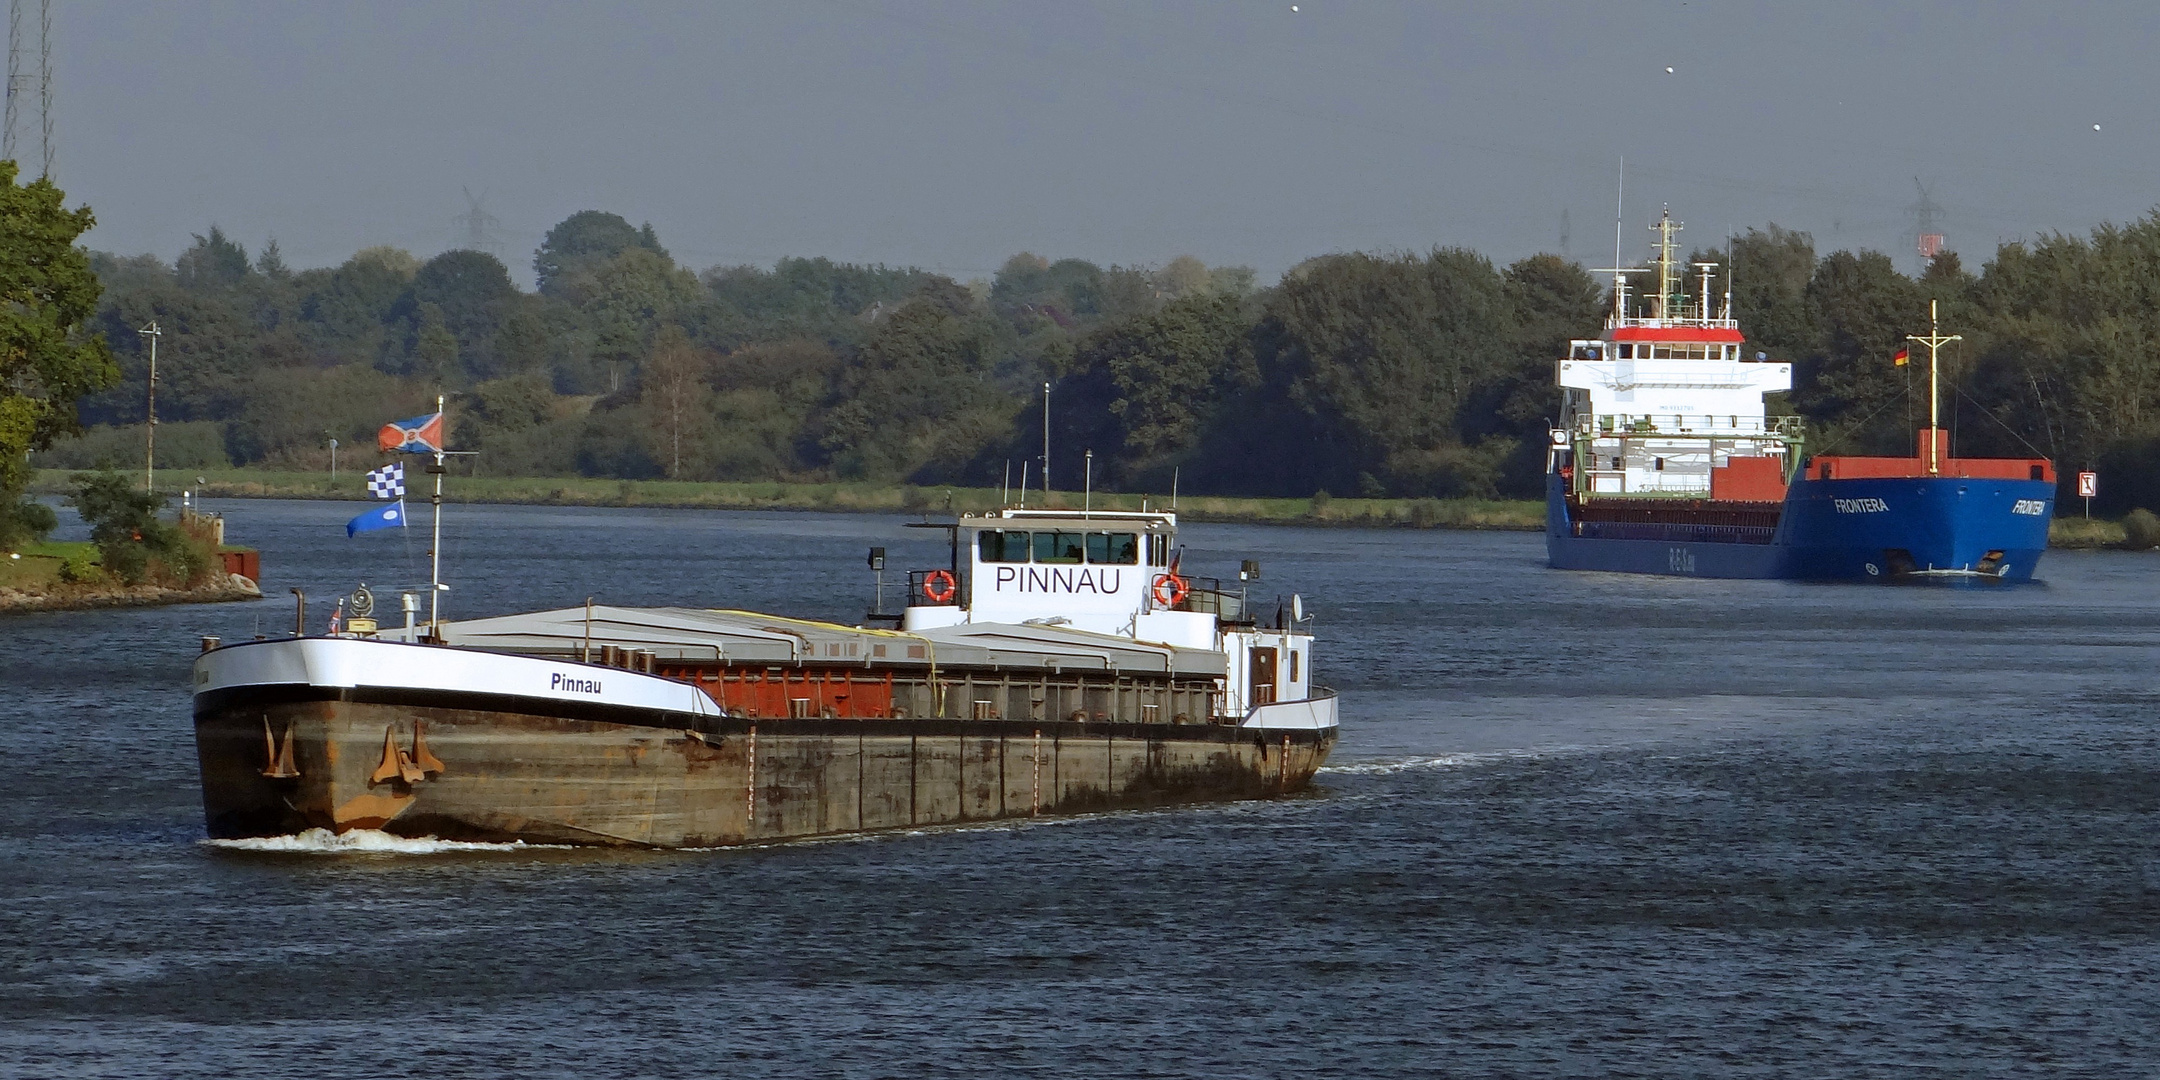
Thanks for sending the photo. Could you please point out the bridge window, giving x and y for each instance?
(1117, 549)
(1158, 550)
(1005, 547)
(1059, 547)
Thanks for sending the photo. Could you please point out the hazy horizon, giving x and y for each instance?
(952, 135)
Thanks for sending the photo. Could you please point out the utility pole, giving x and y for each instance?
(1934, 341)
(1046, 445)
(152, 333)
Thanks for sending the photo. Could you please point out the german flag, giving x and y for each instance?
(1902, 356)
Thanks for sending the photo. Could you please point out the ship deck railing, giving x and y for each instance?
(1677, 425)
(1674, 532)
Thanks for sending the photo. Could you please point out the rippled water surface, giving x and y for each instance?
(1577, 825)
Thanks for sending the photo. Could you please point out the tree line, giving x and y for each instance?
(1415, 375)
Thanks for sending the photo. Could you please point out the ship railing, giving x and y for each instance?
(1689, 425)
(919, 594)
(1688, 318)
(1208, 597)
(1675, 532)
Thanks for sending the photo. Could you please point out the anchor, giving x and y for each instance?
(278, 759)
(406, 768)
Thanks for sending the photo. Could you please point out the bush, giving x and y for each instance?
(80, 568)
(24, 521)
(2141, 530)
(125, 527)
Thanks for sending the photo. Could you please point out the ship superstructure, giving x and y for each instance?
(1667, 461)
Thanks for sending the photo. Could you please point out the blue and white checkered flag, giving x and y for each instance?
(387, 482)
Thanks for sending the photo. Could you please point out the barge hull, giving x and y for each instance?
(350, 759)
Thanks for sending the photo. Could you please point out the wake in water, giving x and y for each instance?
(365, 842)
(1386, 766)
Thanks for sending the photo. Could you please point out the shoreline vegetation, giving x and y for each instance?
(841, 497)
(36, 578)
(1518, 515)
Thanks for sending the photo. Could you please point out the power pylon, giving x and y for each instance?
(478, 230)
(1927, 234)
(19, 82)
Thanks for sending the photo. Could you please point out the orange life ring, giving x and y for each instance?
(1170, 590)
(939, 586)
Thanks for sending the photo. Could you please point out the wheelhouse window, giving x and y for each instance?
(1006, 547)
(1059, 547)
(1115, 549)
(1158, 550)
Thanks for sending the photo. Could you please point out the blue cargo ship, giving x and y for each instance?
(1665, 462)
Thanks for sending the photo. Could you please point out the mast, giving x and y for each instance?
(434, 615)
(151, 333)
(1934, 341)
(1665, 228)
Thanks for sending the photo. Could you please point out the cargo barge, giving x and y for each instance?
(1058, 663)
(1666, 462)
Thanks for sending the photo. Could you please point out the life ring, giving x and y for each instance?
(1170, 590)
(939, 586)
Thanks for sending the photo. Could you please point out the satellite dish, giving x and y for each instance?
(1297, 608)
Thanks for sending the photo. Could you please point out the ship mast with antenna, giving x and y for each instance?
(1934, 341)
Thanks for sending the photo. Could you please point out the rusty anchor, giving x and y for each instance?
(406, 768)
(278, 758)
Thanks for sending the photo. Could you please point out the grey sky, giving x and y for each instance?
(951, 135)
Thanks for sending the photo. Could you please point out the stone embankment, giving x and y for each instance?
(59, 597)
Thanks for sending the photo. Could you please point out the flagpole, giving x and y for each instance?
(435, 545)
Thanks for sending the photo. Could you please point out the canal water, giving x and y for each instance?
(1577, 825)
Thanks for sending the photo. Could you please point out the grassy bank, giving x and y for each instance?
(2080, 532)
(866, 498)
(838, 497)
(36, 568)
(68, 576)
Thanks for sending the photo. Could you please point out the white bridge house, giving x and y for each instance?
(1114, 573)
(1664, 403)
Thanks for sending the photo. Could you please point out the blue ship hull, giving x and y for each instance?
(1870, 529)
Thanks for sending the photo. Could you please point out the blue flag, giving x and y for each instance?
(382, 517)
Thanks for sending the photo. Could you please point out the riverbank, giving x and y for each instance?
(840, 497)
(64, 576)
(865, 498)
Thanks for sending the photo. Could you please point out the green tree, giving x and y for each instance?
(1770, 270)
(919, 403)
(464, 295)
(48, 360)
(676, 400)
(124, 525)
(1168, 370)
(584, 239)
(1852, 387)
(1371, 362)
(212, 263)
